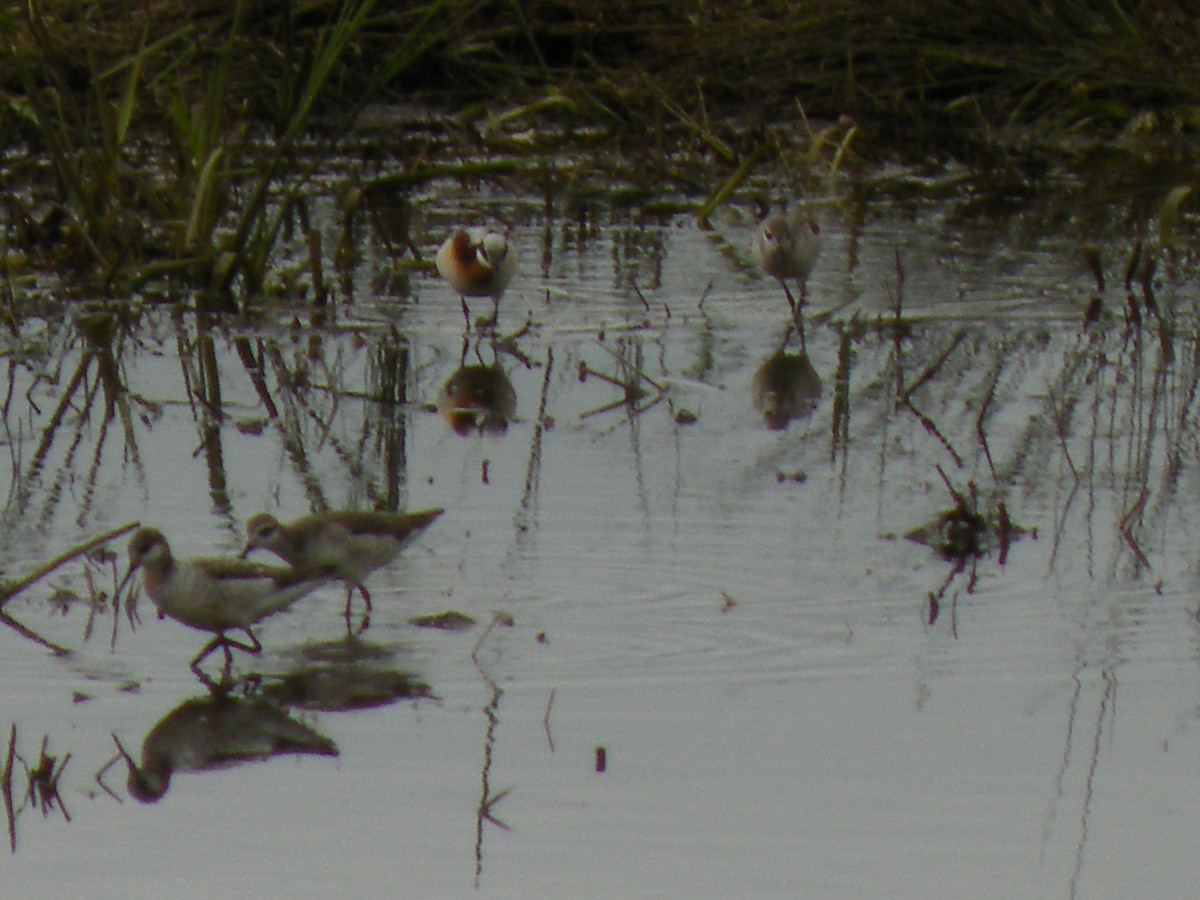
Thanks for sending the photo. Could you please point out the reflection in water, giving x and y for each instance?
(344, 687)
(487, 798)
(785, 387)
(345, 674)
(41, 784)
(958, 533)
(1093, 428)
(963, 534)
(89, 396)
(97, 602)
(477, 398)
(215, 732)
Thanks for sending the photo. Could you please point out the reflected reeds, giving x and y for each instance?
(1085, 430)
(488, 798)
(41, 788)
(95, 553)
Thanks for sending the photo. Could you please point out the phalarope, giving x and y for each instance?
(477, 262)
(788, 247)
(354, 544)
(213, 594)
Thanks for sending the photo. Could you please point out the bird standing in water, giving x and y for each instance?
(354, 544)
(477, 262)
(213, 594)
(788, 247)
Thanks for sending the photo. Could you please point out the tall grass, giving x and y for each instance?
(174, 133)
(165, 161)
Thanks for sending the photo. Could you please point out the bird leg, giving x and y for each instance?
(255, 646)
(466, 312)
(798, 322)
(208, 648)
(351, 587)
(226, 644)
(788, 291)
(218, 641)
(798, 312)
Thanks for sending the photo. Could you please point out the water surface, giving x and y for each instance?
(791, 698)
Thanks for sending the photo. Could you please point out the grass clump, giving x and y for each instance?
(164, 160)
(164, 138)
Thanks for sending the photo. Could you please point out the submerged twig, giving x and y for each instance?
(32, 635)
(6, 788)
(1127, 531)
(1061, 428)
(980, 431)
(546, 721)
(11, 590)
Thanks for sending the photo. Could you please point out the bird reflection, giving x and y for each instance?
(216, 732)
(332, 687)
(785, 387)
(477, 398)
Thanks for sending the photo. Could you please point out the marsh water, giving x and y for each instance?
(694, 653)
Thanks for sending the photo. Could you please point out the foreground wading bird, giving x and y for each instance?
(477, 262)
(788, 247)
(217, 595)
(354, 544)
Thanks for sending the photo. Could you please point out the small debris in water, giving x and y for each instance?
(250, 426)
(601, 759)
(451, 620)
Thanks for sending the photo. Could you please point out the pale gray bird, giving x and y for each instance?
(787, 247)
(213, 594)
(354, 544)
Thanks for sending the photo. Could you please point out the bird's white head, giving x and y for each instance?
(492, 250)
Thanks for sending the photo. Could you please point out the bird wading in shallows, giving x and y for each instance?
(787, 247)
(353, 544)
(477, 262)
(216, 594)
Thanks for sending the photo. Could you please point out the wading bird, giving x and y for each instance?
(788, 247)
(354, 544)
(213, 594)
(477, 262)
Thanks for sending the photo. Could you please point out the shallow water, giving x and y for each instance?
(791, 698)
